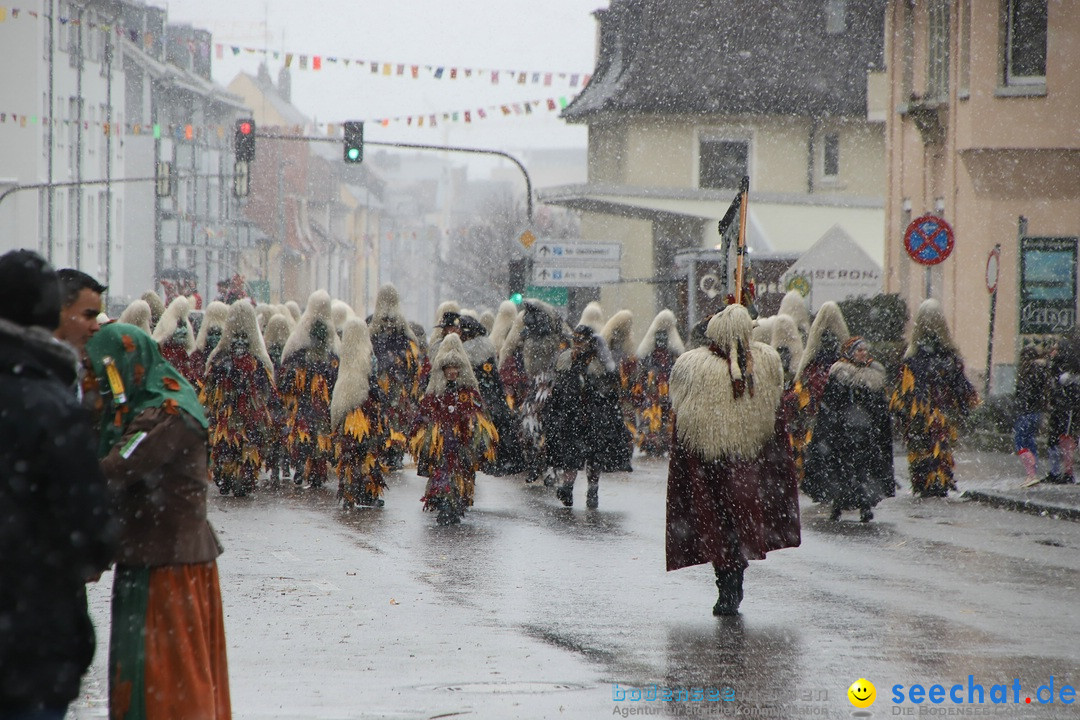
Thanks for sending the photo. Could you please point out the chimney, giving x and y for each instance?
(263, 76)
(284, 82)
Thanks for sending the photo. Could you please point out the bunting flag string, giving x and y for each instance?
(194, 132)
(317, 62)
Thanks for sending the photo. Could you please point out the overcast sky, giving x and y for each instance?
(557, 36)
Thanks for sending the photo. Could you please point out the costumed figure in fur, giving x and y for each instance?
(340, 312)
(542, 338)
(176, 339)
(793, 305)
(732, 493)
(400, 368)
(828, 333)
(849, 462)
(237, 393)
(213, 325)
(656, 354)
(583, 420)
(504, 320)
(786, 341)
(930, 398)
(157, 307)
(508, 457)
(618, 334)
(360, 428)
(137, 314)
(451, 436)
(309, 368)
(275, 335)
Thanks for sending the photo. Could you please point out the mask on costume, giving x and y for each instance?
(661, 340)
(319, 334)
(213, 337)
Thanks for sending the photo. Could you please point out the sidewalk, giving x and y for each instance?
(996, 478)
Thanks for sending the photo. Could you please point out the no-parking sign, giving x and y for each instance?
(928, 240)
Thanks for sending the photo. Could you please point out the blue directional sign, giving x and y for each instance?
(929, 240)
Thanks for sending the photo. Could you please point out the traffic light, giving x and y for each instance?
(244, 140)
(520, 271)
(354, 142)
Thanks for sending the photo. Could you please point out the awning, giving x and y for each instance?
(786, 223)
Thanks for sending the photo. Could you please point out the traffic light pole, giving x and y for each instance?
(415, 146)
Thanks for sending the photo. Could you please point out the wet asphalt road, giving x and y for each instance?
(532, 610)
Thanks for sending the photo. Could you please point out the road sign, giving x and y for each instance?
(573, 275)
(993, 263)
(559, 253)
(928, 240)
(557, 296)
(527, 239)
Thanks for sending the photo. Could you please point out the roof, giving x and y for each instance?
(734, 57)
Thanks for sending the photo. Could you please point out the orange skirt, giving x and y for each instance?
(167, 645)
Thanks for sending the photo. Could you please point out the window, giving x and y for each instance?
(1025, 42)
(722, 163)
(830, 164)
(964, 81)
(937, 55)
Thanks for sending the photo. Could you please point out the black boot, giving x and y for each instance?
(592, 498)
(729, 584)
(565, 494)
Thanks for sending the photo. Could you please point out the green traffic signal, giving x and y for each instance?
(516, 298)
(354, 154)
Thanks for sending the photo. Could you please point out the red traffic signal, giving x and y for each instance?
(244, 140)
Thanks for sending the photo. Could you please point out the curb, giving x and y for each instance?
(1034, 507)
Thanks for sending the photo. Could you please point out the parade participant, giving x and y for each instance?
(1029, 401)
(263, 312)
(55, 529)
(166, 593)
(592, 317)
(360, 429)
(294, 310)
(309, 368)
(583, 422)
(618, 336)
(137, 314)
(732, 493)
(512, 365)
(340, 312)
(827, 334)
(487, 319)
(504, 320)
(157, 307)
(931, 397)
(542, 337)
(237, 395)
(275, 335)
(785, 340)
(656, 354)
(451, 435)
(1063, 426)
(438, 331)
(176, 339)
(399, 366)
(849, 462)
(793, 305)
(213, 325)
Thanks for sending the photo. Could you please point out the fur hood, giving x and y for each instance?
(137, 314)
(504, 320)
(829, 319)
(451, 352)
(593, 317)
(870, 376)
(340, 312)
(388, 317)
(762, 331)
(664, 321)
(794, 306)
(294, 310)
(157, 307)
(437, 332)
(277, 331)
(618, 334)
(487, 319)
(480, 350)
(709, 419)
(354, 370)
(318, 308)
(263, 311)
(176, 315)
(785, 334)
(930, 328)
(216, 315)
(513, 338)
(242, 321)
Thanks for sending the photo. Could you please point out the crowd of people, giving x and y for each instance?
(151, 409)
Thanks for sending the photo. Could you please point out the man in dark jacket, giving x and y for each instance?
(55, 532)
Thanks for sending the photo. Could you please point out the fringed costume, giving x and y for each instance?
(542, 338)
(399, 367)
(213, 325)
(617, 333)
(176, 339)
(656, 354)
(929, 400)
(275, 335)
(237, 394)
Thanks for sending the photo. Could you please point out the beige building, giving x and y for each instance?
(984, 132)
(684, 102)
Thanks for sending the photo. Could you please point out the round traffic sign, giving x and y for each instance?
(928, 240)
(993, 265)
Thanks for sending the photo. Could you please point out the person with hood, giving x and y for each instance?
(849, 461)
(237, 395)
(617, 334)
(157, 307)
(828, 333)
(340, 312)
(504, 320)
(732, 495)
(210, 331)
(309, 368)
(399, 366)
(360, 429)
(137, 314)
(451, 436)
(583, 421)
(793, 305)
(275, 335)
(539, 341)
(56, 532)
(176, 339)
(930, 398)
(166, 592)
(656, 354)
(787, 342)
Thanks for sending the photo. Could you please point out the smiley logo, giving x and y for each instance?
(862, 693)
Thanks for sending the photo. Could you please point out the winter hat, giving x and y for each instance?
(29, 290)
(853, 343)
